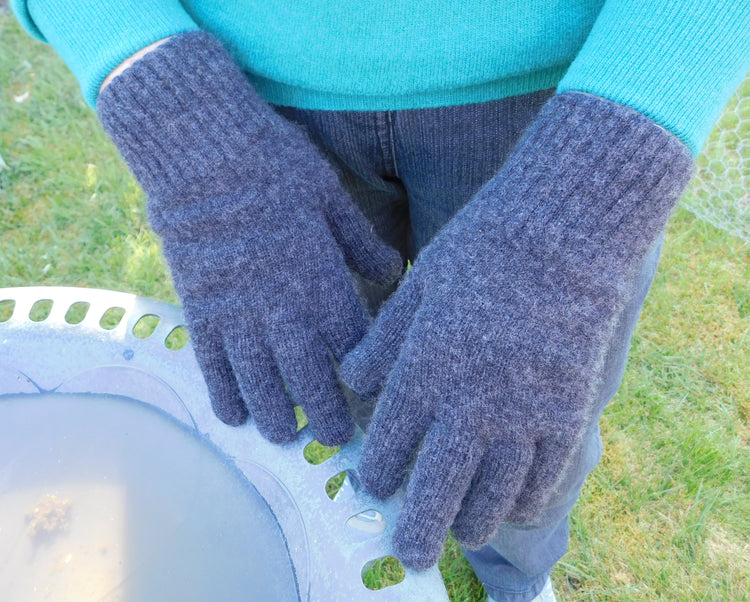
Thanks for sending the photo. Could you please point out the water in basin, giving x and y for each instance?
(104, 498)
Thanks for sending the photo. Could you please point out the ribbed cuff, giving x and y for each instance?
(180, 112)
(592, 179)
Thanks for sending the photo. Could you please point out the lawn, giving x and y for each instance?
(666, 516)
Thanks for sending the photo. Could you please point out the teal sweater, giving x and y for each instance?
(674, 61)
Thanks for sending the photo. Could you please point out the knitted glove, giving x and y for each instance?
(256, 230)
(490, 352)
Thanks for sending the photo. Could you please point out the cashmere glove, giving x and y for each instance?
(490, 352)
(256, 230)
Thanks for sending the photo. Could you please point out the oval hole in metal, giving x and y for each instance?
(111, 318)
(77, 312)
(333, 485)
(382, 572)
(40, 310)
(6, 309)
(145, 326)
(177, 338)
(317, 453)
(368, 521)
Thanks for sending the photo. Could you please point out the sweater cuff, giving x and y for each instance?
(94, 37)
(676, 62)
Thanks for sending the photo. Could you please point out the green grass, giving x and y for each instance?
(70, 212)
(666, 516)
(667, 513)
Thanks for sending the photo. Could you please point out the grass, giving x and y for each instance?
(666, 515)
(675, 479)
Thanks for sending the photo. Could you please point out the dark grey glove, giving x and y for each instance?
(489, 353)
(257, 233)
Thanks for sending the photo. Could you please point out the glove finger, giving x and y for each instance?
(364, 252)
(441, 477)
(262, 387)
(342, 318)
(398, 426)
(501, 475)
(306, 365)
(223, 390)
(551, 457)
(367, 366)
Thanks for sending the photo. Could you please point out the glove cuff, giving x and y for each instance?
(180, 112)
(592, 179)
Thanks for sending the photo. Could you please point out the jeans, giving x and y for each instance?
(410, 171)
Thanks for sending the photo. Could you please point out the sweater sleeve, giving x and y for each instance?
(675, 62)
(95, 36)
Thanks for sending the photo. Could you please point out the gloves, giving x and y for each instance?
(257, 233)
(490, 352)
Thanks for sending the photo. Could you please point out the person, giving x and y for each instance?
(524, 157)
